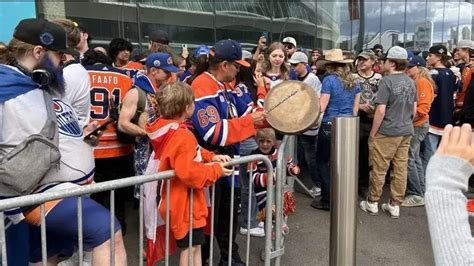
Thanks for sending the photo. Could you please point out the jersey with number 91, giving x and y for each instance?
(108, 84)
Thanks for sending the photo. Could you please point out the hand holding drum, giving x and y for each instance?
(292, 107)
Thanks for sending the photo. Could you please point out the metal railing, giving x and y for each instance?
(273, 248)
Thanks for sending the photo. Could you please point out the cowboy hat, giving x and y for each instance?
(333, 56)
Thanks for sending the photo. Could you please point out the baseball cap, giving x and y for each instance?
(377, 46)
(246, 54)
(317, 50)
(159, 36)
(415, 60)
(438, 49)
(396, 52)
(162, 61)
(201, 50)
(367, 55)
(229, 50)
(289, 40)
(37, 31)
(298, 57)
(465, 44)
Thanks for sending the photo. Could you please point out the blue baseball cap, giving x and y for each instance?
(415, 60)
(201, 50)
(162, 61)
(229, 50)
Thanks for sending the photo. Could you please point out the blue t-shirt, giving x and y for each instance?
(341, 102)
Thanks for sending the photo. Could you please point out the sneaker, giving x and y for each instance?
(413, 201)
(470, 207)
(315, 191)
(393, 210)
(257, 231)
(320, 205)
(371, 208)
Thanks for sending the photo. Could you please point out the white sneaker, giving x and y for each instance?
(371, 208)
(413, 201)
(315, 191)
(393, 210)
(257, 231)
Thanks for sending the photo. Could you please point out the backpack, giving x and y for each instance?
(22, 169)
(124, 137)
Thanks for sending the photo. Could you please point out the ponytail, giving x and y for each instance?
(202, 65)
(15, 50)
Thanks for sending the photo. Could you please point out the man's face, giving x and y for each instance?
(159, 75)
(230, 69)
(300, 68)
(314, 69)
(51, 61)
(462, 53)
(432, 59)
(83, 43)
(123, 56)
(182, 68)
(385, 67)
(290, 49)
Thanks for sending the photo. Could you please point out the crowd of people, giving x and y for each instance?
(118, 116)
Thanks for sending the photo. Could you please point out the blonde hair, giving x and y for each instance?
(15, 50)
(72, 30)
(265, 133)
(173, 99)
(423, 72)
(267, 66)
(343, 72)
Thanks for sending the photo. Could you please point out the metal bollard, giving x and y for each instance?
(344, 179)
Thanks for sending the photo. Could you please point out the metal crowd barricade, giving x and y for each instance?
(273, 247)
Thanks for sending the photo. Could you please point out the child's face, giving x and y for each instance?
(265, 144)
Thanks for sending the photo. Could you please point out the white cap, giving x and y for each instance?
(290, 40)
(465, 44)
(246, 54)
(396, 52)
(298, 57)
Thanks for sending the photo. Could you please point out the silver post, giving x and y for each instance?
(140, 228)
(79, 231)
(211, 238)
(44, 248)
(231, 221)
(191, 203)
(250, 177)
(3, 242)
(344, 179)
(167, 226)
(289, 151)
(112, 227)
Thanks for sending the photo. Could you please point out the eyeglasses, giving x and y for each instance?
(294, 64)
(289, 46)
(237, 66)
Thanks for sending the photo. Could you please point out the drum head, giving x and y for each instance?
(292, 107)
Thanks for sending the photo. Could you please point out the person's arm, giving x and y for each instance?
(425, 97)
(378, 118)
(355, 108)
(447, 176)
(129, 107)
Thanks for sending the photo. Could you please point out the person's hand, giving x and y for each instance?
(259, 79)
(364, 107)
(258, 118)
(93, 140)
(457, 141)
(262, 41)
(226, 171)
(294, 169)
(221, 158)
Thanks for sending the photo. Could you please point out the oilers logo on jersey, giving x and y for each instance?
(67, 120)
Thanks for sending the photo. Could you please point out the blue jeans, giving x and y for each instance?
(416, 173)
(246, 147)
(428, 148)
(307, 152)
(322, 161)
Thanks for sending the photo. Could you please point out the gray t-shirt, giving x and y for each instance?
(398, 93)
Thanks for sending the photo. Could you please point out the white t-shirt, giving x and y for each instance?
(77, 92)
(313, 81)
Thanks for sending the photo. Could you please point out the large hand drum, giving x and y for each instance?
(292, 107)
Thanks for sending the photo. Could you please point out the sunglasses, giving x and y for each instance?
(289, 46)
(293, 65)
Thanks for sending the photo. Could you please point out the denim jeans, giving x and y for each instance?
(322, 160)
(307, 153)
(416, 173)
(246, 147)
(364, 170)
(428, 148)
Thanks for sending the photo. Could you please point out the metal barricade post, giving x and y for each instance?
(344, 179)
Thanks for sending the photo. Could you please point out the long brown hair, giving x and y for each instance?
(267, 66)
(16, 49)
(343, 72)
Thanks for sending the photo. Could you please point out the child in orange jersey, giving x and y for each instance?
(196, 168)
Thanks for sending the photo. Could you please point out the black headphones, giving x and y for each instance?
(40, 76)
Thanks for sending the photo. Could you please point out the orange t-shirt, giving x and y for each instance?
(108, 83)
(425, 95)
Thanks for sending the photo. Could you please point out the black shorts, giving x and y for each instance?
(198, 239)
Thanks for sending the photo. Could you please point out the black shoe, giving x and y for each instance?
(320, 205)
(236, 261)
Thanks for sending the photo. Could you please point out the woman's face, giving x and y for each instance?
(277, 58)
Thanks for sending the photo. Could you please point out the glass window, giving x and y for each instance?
(418, 30)
(393, 24)
(450, 24)
(434, 19)
(465, 21)
(372, 23)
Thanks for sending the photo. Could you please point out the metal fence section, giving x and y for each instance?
(273, 247)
